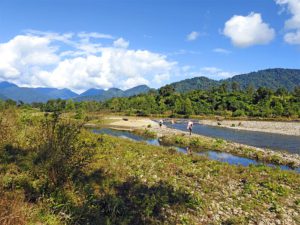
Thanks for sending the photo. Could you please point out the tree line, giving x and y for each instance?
(225, 100)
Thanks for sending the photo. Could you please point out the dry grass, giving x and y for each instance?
(13, 210)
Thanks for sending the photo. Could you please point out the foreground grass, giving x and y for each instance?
(126, 182)
(187, 189)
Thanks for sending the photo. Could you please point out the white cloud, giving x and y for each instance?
(292, 24)
(215, 73)
(184, 52)
(22, 54)
(192, 36)
(121, 43)
(63, 61)
(221, 50)
(293, 37)
(245, 31)
(95, 35)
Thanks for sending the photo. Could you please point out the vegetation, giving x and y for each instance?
(269, 78)
(273, 79)
(201, 143)
(222, 101)
(53, 171)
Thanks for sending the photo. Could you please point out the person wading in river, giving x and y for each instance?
(190, 126)
(161, 123)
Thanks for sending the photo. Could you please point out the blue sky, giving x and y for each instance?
(154, 42)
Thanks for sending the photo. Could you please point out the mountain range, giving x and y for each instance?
(29, 95)
(270, 78)
(100, 95)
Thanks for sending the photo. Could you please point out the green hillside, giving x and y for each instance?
(269, 78)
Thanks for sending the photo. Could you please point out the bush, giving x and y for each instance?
(238, 113)
(60, 155)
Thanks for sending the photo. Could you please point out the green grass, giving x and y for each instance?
(127, 182)
(198, 144)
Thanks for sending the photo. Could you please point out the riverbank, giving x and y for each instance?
(199, 142)
(275, 127)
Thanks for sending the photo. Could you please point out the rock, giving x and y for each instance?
(278, 222)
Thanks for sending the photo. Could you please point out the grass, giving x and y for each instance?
(198, 144)
(127, 182)
(252, 190)
(145, 133)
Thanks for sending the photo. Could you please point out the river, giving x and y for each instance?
(214, 155)
(258, 139)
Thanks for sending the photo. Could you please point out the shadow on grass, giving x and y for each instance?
(10, 154)
(103, 198)
(134, 202)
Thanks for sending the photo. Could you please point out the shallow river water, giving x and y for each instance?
(258, 139)
(214, 155)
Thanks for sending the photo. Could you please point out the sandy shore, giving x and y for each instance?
(287, 128)
(133, 122)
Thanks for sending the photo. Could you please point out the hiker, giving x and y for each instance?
(190, 126)
(161, 123)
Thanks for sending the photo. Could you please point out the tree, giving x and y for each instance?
(166, 90)
(187, 107)
(223, 87)
(262, 94)
(70, 106)
(235, 86)
(297, 93)
(250, 89)
(281, 92)
(178, 108)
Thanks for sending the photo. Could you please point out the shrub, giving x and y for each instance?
(61, 155)
(238, 112)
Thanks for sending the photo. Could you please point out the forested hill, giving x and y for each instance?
(196, 83)
(269, 78)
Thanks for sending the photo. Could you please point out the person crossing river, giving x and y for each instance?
(190, 126)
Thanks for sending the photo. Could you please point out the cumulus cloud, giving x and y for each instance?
(245, 31)
(74, 61)
(121, 43)
(24, 53)
(293, 23)
(293, 37)
(192, 36)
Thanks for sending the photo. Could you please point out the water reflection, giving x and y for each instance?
(214, 155)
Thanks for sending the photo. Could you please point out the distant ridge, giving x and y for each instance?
(29, 95)
(92, 92)
(111, 93)
(196, 83)
(269, 78)
(57, 93)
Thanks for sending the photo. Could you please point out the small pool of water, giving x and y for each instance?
(214, 155)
